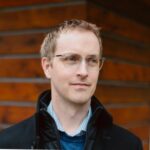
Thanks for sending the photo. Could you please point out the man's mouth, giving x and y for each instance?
(80, 84)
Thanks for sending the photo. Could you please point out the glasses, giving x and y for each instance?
(74, 60)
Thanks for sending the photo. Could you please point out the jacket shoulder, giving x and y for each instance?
(20, 135)
(124, 139)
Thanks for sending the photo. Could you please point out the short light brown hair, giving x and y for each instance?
(48, 46)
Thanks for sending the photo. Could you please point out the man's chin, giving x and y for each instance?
(80, 99)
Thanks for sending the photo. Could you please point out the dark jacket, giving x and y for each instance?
(39, 131)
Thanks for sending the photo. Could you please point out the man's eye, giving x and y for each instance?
(71, 59)
(92, 60)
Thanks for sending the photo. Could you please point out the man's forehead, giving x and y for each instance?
(77, 36)
(78, 42)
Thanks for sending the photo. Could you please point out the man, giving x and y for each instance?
(69, 117)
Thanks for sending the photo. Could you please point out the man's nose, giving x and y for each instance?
(82, 69)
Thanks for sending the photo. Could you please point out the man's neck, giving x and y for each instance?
(70, 115)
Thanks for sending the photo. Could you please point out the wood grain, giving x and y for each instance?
(21, 68)
(119, 49)
(114, 23)
(117, 94)
(12, 114)
(130, 115)
(22, 92)
(41, 17)
(125, 8)
(21, 44)
(113, 70)
(14, 3)
(146, 146)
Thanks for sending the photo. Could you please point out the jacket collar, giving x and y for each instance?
(100, 116)
(45, 126)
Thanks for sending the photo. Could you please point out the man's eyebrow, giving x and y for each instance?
(93, 55)
(74, 53)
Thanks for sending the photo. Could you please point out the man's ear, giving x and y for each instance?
(46, 65)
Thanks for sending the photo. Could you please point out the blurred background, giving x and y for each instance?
(124, 82)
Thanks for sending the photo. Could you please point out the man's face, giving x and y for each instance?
(74, 80)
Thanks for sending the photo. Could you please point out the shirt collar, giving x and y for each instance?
(82, 127)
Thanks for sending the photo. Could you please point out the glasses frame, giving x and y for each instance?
(102, 59)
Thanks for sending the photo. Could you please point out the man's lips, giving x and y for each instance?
(80, 84)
